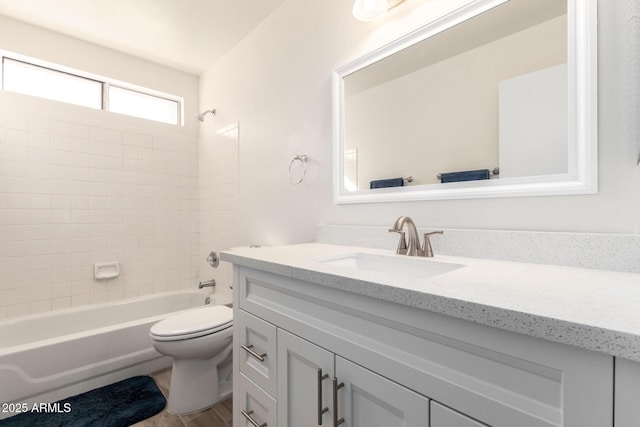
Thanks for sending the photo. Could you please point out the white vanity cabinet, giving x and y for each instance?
(399, 366)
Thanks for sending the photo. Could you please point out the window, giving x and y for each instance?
(30, 78)
(138, 104)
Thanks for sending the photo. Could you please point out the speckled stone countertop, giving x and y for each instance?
(592, 309)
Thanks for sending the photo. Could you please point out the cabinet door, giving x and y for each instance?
(252, 405)
(627, 395)
(300, 382)
(367, 399)
(441, 416)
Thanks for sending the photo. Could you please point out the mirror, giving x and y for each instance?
(495, 99)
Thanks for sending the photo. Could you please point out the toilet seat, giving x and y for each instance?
(193, 324)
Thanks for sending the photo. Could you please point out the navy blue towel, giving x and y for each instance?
(464, 176)
(384, 183)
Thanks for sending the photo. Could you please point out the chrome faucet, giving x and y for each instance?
(406, 248)
(207, 284)
(412, 247)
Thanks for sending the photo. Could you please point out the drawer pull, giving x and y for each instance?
(249, 350)
(321, 410)
(336, 387)
(249, 418)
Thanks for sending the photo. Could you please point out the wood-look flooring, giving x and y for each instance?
(218, 415)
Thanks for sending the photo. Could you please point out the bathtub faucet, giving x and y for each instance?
(209, 283)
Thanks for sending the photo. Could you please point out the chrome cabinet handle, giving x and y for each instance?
(249, 418)
(249, 350)
(321, 410)
(336, 387)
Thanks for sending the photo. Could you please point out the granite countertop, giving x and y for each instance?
(592, 309)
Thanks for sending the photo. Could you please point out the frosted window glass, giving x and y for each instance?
(138, 104)
(45, 83)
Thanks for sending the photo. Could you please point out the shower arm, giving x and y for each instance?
(202, 115)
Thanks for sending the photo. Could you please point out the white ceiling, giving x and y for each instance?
(189, 35)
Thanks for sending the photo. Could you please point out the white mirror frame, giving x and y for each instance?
(582, 176)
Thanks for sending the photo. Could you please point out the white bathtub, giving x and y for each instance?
(50, 356)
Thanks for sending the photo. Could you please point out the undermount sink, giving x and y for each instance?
(400, 265)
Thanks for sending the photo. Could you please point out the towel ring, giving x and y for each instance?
(301, 158)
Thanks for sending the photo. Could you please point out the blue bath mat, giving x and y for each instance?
(116, 405)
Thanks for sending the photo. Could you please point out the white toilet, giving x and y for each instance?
(200, 343)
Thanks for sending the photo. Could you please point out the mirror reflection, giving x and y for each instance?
(484, 99)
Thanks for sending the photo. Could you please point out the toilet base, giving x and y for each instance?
(195, 386)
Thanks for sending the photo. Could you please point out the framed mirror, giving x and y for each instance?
(496, 99)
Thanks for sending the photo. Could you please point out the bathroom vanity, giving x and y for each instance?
(334, 335)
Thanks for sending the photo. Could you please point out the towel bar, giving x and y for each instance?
(494, 171)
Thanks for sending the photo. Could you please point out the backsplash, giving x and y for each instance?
(80, 186)
(614, 252)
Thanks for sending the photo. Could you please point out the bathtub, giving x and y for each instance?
(50, 356)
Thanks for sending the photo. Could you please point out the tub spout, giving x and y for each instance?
(207, 284)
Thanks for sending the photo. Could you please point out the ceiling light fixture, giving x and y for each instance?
(370, 10)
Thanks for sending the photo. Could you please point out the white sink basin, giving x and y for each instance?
(400, 265)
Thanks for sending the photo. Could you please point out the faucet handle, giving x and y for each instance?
(426, 248)
(402, 243)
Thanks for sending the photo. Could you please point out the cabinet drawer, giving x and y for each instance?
(255, 351)
(441, 416)
(253, 403)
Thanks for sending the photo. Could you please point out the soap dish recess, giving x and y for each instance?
(106, 270)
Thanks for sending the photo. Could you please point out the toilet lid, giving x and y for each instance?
(197, 322)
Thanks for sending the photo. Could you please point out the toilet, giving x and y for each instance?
(200, 343)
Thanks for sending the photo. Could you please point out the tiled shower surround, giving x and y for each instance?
(81, 186)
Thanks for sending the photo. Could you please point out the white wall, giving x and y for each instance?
(277, 84)
(218, 196)
(80, 186)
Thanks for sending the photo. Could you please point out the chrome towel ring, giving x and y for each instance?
(303, 159)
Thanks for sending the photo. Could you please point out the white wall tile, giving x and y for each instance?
(80, 299)
(39, 140)
(60, 127)
(60, 142)
(60, 303)
(78, 130)
(14, 310)
(17, 137)
(17, 201)
(79, 145)
(78, 187)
